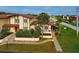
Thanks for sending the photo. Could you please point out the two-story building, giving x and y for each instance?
(16, 21)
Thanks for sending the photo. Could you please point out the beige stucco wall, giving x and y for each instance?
(20, 22)
(28, 24)
(32, 27)
(12, 20)
(32, 20)
(3, 21)
(21, 25)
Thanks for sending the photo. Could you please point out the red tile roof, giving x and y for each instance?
(29, 16)
(34, 23)
(50, 23)
(4, 16)
(10, 25)
(25, 15)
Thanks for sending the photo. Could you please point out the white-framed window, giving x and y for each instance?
(25, 23)
(16, 20)
(25, 20)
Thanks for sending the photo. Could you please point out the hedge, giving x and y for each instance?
(28, 33)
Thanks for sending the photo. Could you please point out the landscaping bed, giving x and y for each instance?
(28, 35)
(4, 33)
(68, 40)
(32, 33)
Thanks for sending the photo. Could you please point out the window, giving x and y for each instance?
(25, 20)
(25, 23)
(16, 20)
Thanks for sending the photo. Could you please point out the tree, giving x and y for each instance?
(6, 13)
(43, 18)
(59, 20)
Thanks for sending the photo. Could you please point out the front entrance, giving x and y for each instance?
(12, 27)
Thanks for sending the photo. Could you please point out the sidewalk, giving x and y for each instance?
(56, 43)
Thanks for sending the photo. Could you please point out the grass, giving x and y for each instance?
(46, 47)
(68, 40)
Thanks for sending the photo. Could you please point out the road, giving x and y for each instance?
(70, 26)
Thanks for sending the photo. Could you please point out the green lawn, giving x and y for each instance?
(68, 40)
(46, 47)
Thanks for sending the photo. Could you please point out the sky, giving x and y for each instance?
(51, 10)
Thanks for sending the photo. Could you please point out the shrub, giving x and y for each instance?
(19, 33)
(23, 33)
(38, 29)
(32, 30)
(28, 33)
(36, 33)
(5, 31)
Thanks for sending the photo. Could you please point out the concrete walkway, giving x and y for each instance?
(69, 25)
(56, 43)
